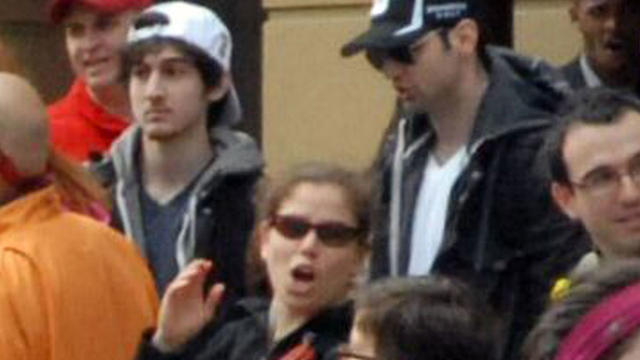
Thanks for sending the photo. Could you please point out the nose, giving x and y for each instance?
(89, 41)
(392, 69)
(310, 244)
(629, 191)
(612, 22)
(154, 88)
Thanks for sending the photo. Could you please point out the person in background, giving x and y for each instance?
(183, 180)
(603, 60)
(597, 320)
(312, 235)
(461, 191)
(71, 288)
(95, 111)
(422, 318)
(594, 160)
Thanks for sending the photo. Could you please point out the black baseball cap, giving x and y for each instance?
(400, 22)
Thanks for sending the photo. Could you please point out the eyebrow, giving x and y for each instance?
(594, 3)
(177, 59)
(601, 167)
(168, 60)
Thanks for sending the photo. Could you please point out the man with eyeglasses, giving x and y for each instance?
(594, 160)
(460, 189)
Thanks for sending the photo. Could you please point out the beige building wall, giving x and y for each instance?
(37, 46)
(543, 27)
(319, 106)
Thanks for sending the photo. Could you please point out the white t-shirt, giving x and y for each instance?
(590, 77)
(431, 210)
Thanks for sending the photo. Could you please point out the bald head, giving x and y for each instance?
(23, 125)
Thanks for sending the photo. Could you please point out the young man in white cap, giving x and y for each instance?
(96, 109)
(460, 192)
(183, 180)
(603, 60)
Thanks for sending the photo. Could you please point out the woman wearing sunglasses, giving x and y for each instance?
(312, 237)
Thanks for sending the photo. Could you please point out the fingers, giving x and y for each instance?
(193, 275)
(213, 300)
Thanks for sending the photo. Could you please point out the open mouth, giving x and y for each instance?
(303, 273)
(614, 45)
(92, 63)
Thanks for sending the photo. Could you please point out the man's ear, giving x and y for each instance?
(466, 35)
(217, 92)
(564, 197)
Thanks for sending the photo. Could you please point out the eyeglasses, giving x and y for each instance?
(403, 54)
(334, 234)
(343, 352)
(605, 181)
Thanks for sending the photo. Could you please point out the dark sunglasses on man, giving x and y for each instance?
(403, 54)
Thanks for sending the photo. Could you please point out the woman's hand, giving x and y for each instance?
(184, 309)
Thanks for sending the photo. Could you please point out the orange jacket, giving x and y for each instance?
(70, 287)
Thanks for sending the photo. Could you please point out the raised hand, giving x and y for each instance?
(185, 309)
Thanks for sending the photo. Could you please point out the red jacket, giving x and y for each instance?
(80, 126)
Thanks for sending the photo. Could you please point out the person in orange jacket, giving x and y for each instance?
(70, 287)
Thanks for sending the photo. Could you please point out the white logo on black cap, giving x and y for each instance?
(446, 11)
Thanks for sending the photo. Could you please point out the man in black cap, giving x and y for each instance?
(461, 192)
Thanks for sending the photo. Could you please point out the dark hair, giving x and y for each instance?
(427, 318)
(595, 106)
(273, 192)
(479, 13)
(210, 71)
(590, 289)
(481, 47)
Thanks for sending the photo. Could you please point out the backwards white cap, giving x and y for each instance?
(200, 27)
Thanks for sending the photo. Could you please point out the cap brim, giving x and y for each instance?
(381, 35)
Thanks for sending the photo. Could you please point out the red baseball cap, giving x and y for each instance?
(59, 9)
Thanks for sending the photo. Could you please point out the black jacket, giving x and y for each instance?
(220, 209)
(502, 232)
(247, 337)
(572, 72)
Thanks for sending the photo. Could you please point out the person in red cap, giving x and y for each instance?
(96, 109)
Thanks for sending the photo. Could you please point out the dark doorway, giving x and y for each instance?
(499, 18)
(244, 19)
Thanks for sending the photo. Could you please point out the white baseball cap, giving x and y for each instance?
(197, 26)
